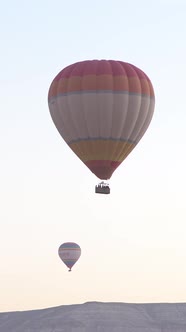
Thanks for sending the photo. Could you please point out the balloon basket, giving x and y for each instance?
(102, 188)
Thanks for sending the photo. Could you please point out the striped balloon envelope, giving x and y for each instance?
(69, 252)
(101, 108)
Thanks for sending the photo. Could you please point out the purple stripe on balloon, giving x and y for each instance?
(101, 67)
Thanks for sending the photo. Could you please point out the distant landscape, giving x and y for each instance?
(99, 317)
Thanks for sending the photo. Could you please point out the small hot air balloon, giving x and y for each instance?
(69, 252)
(101, 108)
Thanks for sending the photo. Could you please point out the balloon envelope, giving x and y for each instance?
(69, 252)
(101, 108)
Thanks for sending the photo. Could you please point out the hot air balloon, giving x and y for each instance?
(101, 108)
(69, 252)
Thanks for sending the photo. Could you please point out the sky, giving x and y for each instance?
(133, 240)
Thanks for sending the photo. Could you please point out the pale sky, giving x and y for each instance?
(133, 241)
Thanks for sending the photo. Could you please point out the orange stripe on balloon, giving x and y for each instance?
(101, 83)
(110, 150)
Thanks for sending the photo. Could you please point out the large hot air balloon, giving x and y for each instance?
(69, 252)
(101, 108)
